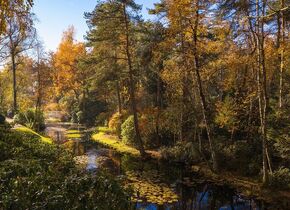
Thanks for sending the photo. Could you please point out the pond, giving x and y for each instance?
(156, 185)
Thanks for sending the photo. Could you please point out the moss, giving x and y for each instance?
(30, 131)
(114, 143)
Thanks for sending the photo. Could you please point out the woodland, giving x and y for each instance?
(204, 84)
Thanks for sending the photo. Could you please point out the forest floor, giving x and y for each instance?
(247, 186)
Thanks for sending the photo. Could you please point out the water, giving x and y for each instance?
(157, 186)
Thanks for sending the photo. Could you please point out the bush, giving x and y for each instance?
(280, 179)
(152, 140)
(128, 131)
(35, 175)
(239, 157)
(116, 121)
(31, 118)
(181, 153)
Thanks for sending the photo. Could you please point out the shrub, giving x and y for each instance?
(239, 157)
(128, 131)
(31, 118)
(116, 121)
(280, 179)
(39, 176)
(181, 153)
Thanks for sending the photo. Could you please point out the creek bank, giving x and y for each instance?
(113, 142)
(24, 129)
(245, 186)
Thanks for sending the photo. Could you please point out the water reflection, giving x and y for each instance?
(155, 184)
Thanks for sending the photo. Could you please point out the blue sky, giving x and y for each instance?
(54, 16)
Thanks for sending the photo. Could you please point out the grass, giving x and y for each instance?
(73, 134)
(30, 131)
(105, 130)
(113, 142)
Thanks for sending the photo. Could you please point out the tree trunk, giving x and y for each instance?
(132, 86)
(200, 90)
(281, 53)
(119, 97)
(15, 108)
(262, 90)
(158, 103)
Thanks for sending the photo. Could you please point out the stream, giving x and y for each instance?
(157, 185)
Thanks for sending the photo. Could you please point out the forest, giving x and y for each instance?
(200, 92)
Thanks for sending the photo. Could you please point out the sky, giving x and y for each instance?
(54, 16)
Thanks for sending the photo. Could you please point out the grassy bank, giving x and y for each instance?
(104, 137)
(27, 130)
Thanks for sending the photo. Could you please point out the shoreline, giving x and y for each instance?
(245, 186)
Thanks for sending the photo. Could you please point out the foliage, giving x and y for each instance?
(91, 108)
(35, 176)
(113, 142)
(128, 131)
(31, 118)
(241, 157)
(280, 179)
(102, 119)
(116, 121)
(26, 130)
(226, 114)
(181, 153)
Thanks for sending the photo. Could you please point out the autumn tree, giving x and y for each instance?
(19, 37)
(10, 9)
(66, 75)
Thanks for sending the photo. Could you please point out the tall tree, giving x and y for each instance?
(122, 15)
(19, 37)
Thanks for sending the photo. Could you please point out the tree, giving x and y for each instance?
(18, 38)
(66, 74)
(10, 9)
(116, 13)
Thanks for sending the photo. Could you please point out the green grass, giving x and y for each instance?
(30, 131)
(105, 130)
(114, 143)
(73, 134)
